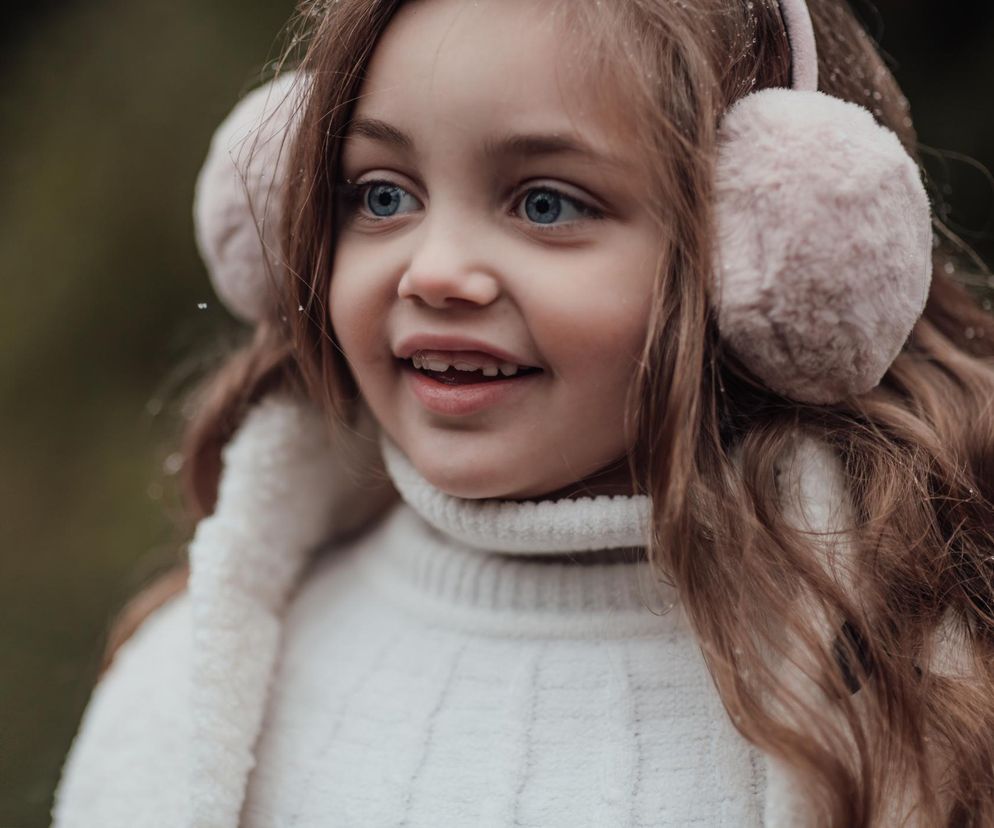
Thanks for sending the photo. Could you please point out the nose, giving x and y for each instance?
(441, 277)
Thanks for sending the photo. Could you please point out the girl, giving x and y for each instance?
(695, 489)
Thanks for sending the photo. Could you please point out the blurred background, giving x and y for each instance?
(106, 312)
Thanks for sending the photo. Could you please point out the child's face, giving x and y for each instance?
(478, 258)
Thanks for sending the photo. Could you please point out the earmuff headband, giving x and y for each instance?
(803, 52)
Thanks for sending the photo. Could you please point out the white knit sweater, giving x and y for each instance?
(462, 663)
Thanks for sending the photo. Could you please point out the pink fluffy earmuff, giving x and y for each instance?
(238, 198)
(823, 245)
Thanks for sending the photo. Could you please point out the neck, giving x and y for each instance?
(554, 525)
(614, 480)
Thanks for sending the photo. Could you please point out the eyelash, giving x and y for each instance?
(352, 197)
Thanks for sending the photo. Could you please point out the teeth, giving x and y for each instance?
(427, 363)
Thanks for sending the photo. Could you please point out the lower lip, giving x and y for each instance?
(469, 398)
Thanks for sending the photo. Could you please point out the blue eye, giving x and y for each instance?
(374, 201)
(544, 205)
(382, 195)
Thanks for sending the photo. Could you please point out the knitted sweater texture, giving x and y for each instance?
(460, 663)
(429, 680)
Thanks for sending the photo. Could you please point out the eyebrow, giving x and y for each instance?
(525, 145)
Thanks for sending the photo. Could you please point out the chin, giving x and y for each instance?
(468, 483)
(476, 477)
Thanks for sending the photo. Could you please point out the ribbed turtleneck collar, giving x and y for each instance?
(524, 527)
(517, 568)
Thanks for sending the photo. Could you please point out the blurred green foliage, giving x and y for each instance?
(104, 120)
(106, 114)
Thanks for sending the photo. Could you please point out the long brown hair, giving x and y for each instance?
(917, 452)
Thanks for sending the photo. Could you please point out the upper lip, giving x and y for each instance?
(410, 345)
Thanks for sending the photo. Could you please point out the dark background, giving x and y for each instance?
(106, 111)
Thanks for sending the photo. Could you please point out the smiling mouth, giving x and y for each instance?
(465, 374)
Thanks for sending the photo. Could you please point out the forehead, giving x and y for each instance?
(473, 70)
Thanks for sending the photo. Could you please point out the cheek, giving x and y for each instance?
(357, 310)
(342, 306)
(593, 335)
(337, 290)
(596, 326)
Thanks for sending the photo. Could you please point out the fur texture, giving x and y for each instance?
(237, 201)
(286, 488)
(824, 243)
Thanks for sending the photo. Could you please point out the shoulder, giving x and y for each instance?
(127, 765)
(813, 486)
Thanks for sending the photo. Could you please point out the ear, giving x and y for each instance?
(238, 199)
